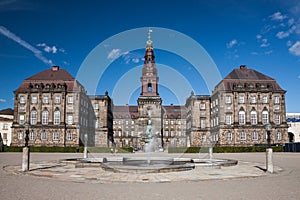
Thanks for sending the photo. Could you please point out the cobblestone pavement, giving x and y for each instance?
(50, 179)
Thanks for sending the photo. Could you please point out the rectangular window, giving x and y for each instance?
(202, 123)
(132, 133)
(277, 119)
(56, 118)
(254, 135)
(96, 106)
(228, 119)
(57, 99)
(241, 99)
(70, 99)
(45, 117)
(22, 100)
(4, 136)
(253, 117)
(43, 135)
(276, 100)
(33, 117)
(265, 117)
(227, 99)
(243, 135)
(45, 99)
(20, 135)
(242, 117)
(203, 138)
(276, 107)
(69, 136)
(70, 119)
(31, 135)
(265, 99)
(229, 136)
(34, 99)
(202, 106)
(21, 119)
(55, 135)
(5, 126)
(166, 133)
(253, 99)
(279, 136)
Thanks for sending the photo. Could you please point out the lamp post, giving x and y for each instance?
(26, 150)
(269, 150)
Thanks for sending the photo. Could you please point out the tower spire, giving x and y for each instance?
(149, 41)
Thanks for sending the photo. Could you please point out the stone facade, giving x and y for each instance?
(293, 120)
(61, 114)
(198, 120)
(6, 120)
(56, 107)
(242, 104)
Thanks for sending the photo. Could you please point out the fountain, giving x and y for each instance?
(153, 162)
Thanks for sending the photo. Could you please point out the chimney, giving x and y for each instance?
(55, 68)
(243, 67)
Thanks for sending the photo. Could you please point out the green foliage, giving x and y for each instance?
(224, 149)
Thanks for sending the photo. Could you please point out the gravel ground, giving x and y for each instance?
(282, 185)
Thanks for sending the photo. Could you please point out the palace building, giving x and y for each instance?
(62, 114)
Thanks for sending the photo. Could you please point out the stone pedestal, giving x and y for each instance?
(269, 160)
(25, 159)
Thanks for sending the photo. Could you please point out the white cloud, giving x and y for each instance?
(264, 43)
(135, 60)
(278, 16)
(231, 43)
(295, 49)
(258, 36)
(2, 100)
(113, 54)
(282, 34)
(291, 21)
(37, 53)
(50, 49)
(289, 43)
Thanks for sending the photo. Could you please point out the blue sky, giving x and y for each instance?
(262, 34)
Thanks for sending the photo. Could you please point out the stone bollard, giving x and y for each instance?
(85, 152)
(269, 160)
(25, 159)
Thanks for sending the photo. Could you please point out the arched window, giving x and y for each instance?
(33, 117)
(265, 117)
(242, 117)
(45, 117)
(56, 117)
(149, 87)
(253, 116)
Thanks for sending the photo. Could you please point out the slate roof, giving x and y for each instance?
(7, 111)
(53, 77)
(248, 79)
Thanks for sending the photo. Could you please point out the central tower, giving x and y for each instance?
(149, 102)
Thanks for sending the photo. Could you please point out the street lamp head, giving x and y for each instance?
(27, 125)
(268, 126)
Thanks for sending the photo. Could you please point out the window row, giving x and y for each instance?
(45, 118)
(253, 118)
(45, 99)
(44, 135)
(254, 136)
(253, 99)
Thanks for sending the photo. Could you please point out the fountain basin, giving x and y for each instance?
(148, 164)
